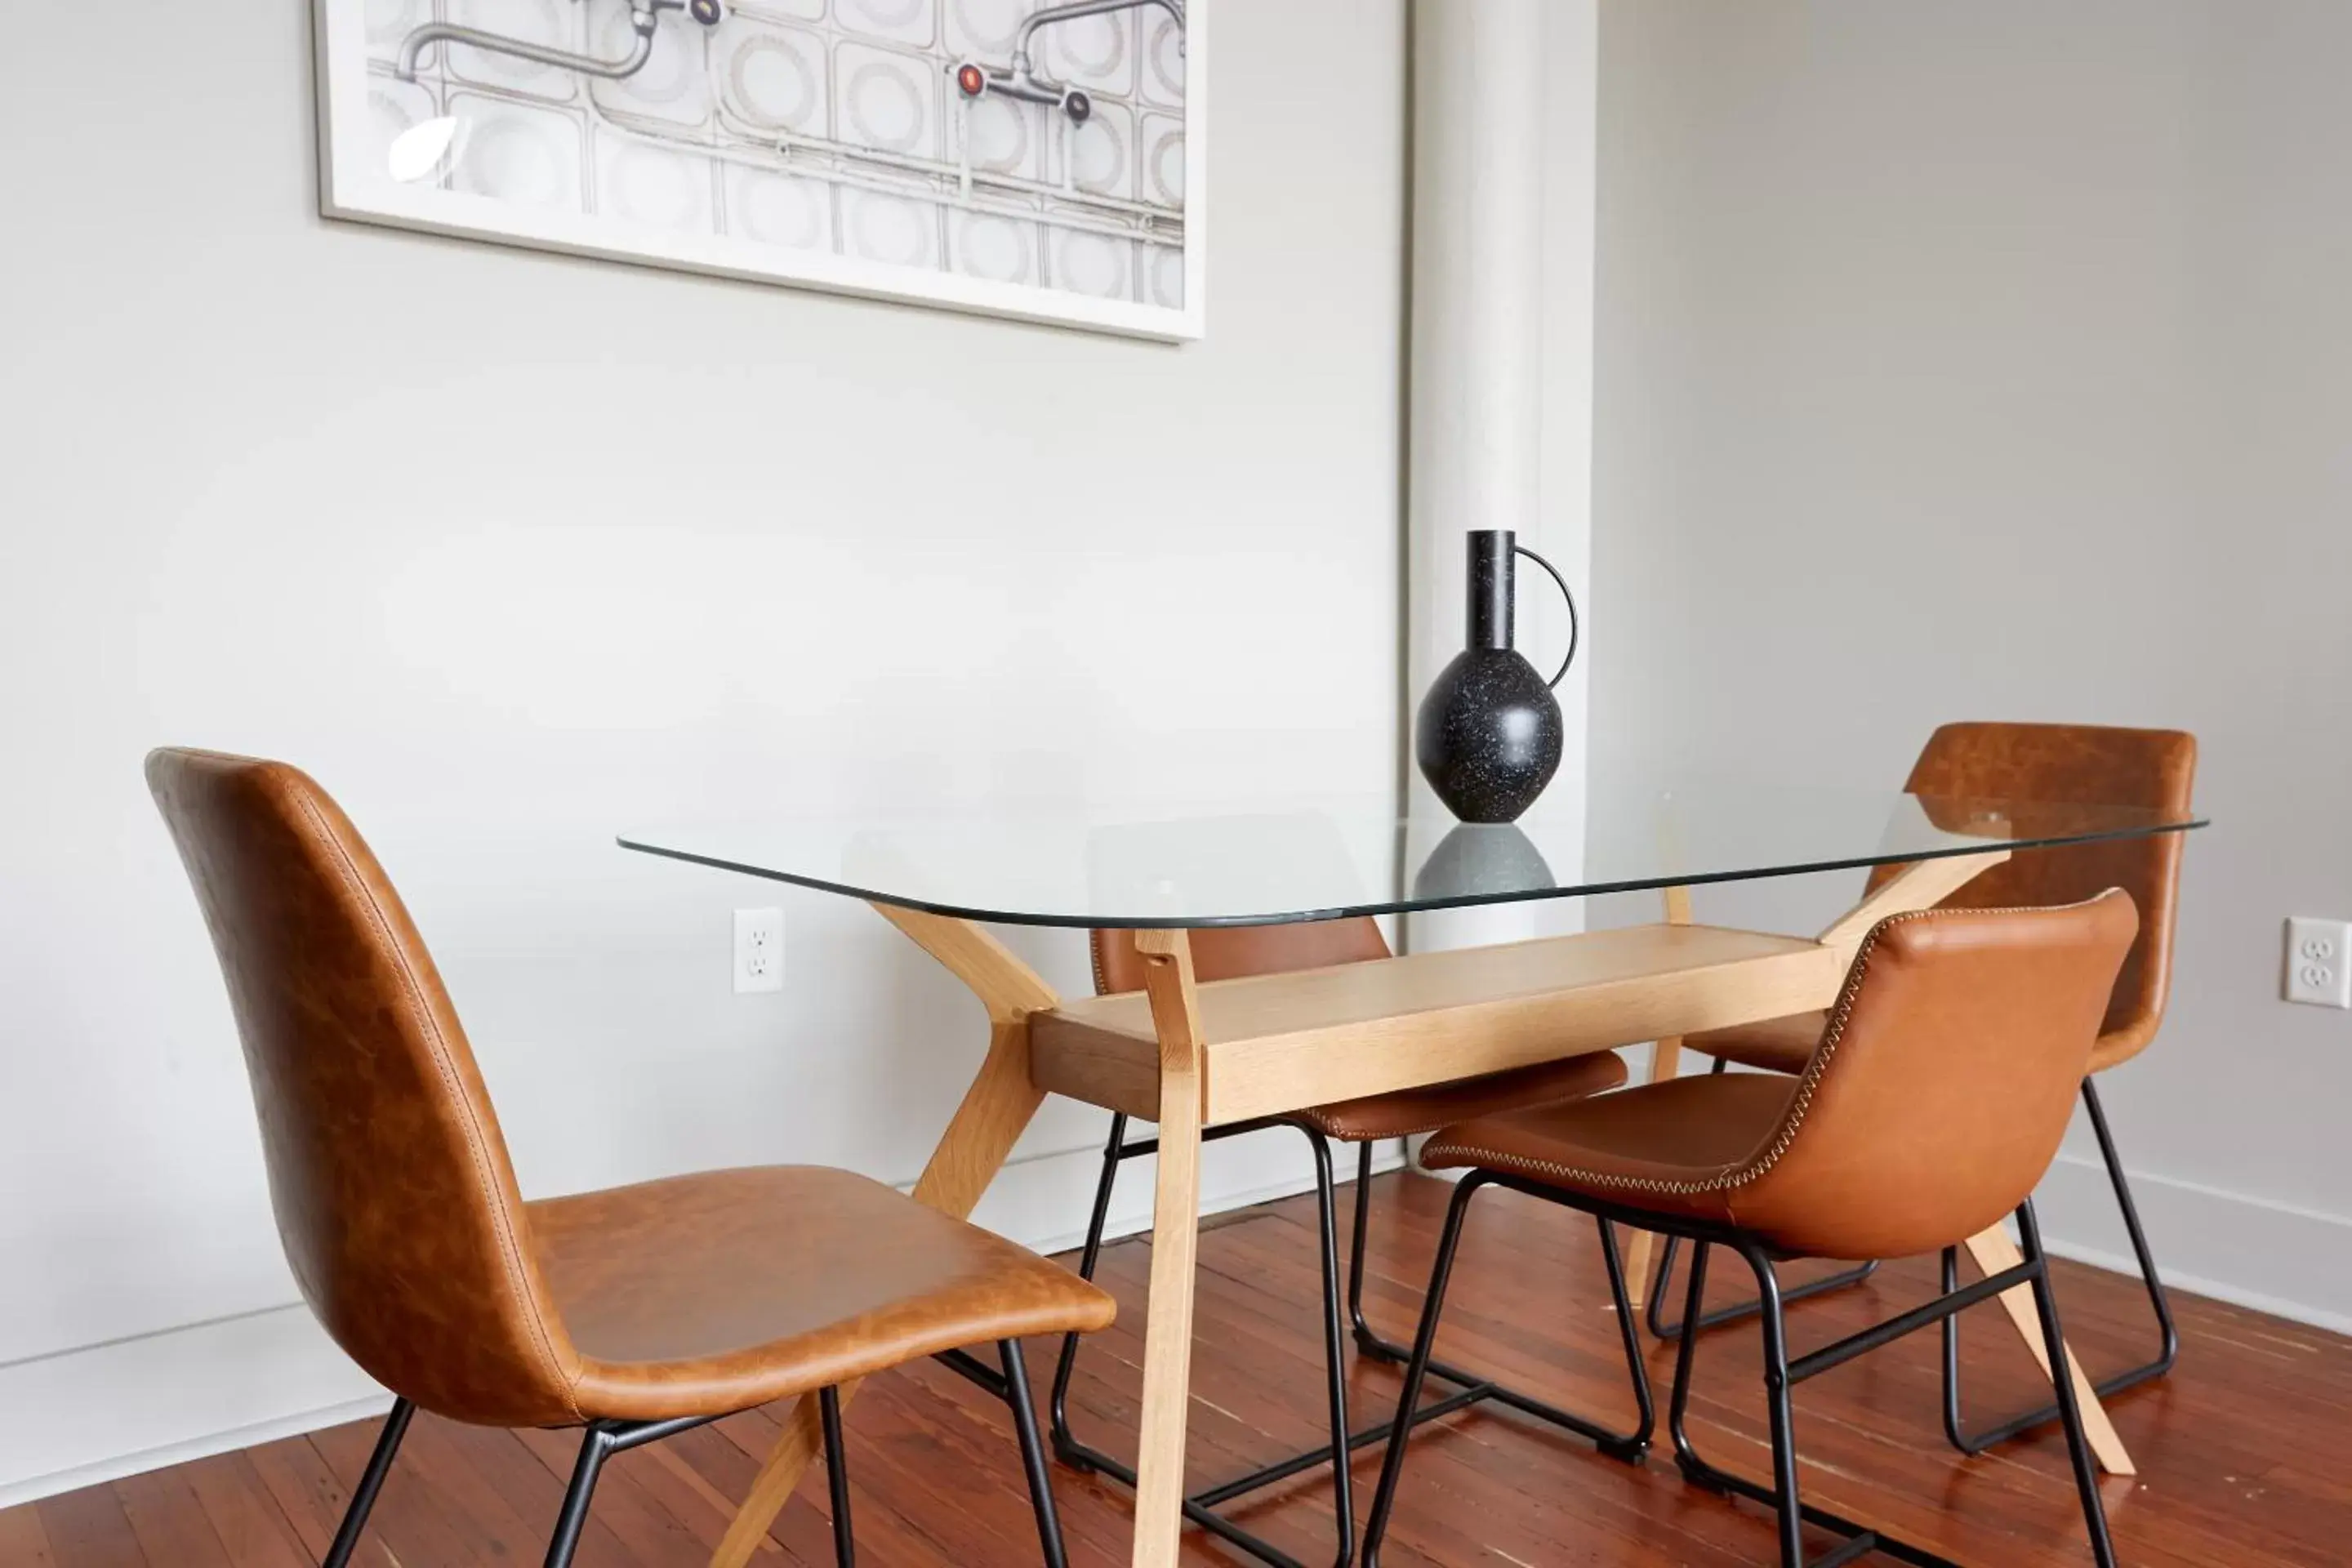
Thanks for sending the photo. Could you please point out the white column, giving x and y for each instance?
(1502, 222)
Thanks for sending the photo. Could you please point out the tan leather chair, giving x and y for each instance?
(1235, 952)
(633, 1314)
(2056, 767)
(1931, 1104)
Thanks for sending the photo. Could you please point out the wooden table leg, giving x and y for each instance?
(995, 1111)
(1922, 885)
(1665, 1061)
(1175, 1246)
(1994, 1252)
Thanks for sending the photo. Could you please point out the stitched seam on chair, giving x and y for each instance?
(1791, 1121)
(1348, 1134)
(477, 1144)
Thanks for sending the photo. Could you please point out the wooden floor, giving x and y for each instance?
(2242, 1450)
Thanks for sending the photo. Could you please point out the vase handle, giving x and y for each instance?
(1575, 629)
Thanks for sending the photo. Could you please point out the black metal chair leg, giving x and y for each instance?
(1416, 1370)
(1473, 1387)
(1470, 1388)
(1739, 1309)
(379, 1464)
(1066, 1447)
(1662, 1285)
(596, 1447)
(1033, 1452)
(2078, 1447)
(1199, 1506)
(1694, 1469)
(836, 1475)
(1659, 1285)
(1791, 1513)
(1782, 1372)
(1639, 1441)
(1783, 1417)
(1335, 1349)
(1947, 1278)
(2168, 1337)
(1368, 1341)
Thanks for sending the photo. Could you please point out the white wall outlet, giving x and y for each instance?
(758, 950)
(2319, 962)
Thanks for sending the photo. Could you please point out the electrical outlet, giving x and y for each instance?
(758, 950)
(2319, 962)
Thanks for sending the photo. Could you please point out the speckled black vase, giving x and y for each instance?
(1488, 734)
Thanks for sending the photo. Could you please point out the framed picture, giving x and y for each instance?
(1022, 158)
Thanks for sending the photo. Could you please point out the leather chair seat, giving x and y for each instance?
(1785, 1045)
(1407, 1113)
(734, 1287)
(1672, 1148)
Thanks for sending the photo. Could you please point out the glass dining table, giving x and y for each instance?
(1193, 1054)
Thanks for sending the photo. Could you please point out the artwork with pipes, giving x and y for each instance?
(1022, 143)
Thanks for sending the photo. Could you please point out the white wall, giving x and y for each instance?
(1995, 360)
(512, 552)
(1563, 527)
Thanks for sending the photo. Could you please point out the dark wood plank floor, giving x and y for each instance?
(2242, 1451)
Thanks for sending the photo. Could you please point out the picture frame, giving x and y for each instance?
(900, 150)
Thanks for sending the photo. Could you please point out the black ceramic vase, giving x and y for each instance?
(1488, 734)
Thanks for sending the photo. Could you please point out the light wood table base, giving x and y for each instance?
(1193, 1056)
(1994, 1251)
(1175, 1246)
(1666, 1062)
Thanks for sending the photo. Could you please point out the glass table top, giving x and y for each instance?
(1234, 867)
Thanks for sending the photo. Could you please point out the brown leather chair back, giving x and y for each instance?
(1944, 1081)
(390, 1179)
(2078, 765)
(1236, 952)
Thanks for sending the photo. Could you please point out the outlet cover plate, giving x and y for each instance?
(2319, 962)
(759, 951)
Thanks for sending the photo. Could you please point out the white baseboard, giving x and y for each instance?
(87, 1416)
(83, 1416)
(2253, 1252)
